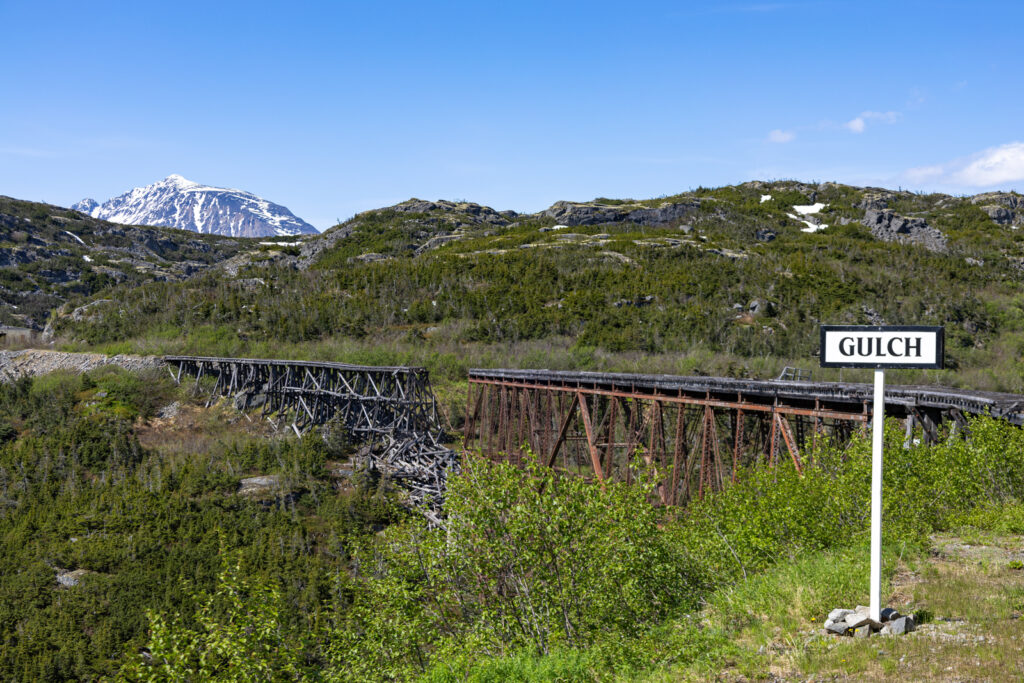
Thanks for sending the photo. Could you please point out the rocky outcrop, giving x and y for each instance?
(1004, 208)
(889, 226)
(876, 201)
(467, 213)
(999, 214)
(573, 213)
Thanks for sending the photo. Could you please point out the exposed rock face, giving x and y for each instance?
(572, 213)
(875, 200)
(179, 203)
(888, 226)
(1004, 208)
(1010, 200)
(999, 214)
(470, 213)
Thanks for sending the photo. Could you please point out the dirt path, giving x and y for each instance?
(15, 364)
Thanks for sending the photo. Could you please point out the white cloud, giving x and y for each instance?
(858, 124)
(992, 167)
(781, 136)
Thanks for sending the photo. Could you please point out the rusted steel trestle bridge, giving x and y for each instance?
(696, 431)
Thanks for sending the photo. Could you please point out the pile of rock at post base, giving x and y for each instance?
(859, 624)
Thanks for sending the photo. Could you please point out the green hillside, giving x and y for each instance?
(713, 280)
(50, 255)
(146, 536)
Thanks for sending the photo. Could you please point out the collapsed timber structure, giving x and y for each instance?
(696, 432)
(389, 410)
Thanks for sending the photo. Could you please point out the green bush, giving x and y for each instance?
(529, 560)
(235, 633)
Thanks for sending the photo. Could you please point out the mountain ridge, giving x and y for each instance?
(177, 202)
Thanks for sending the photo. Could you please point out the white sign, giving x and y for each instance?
(859, 346)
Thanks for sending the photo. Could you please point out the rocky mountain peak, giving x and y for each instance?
(178, 181)
(86, 205)
(177, 202)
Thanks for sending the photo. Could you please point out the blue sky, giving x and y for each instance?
(331, 108)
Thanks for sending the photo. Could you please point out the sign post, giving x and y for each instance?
(880, 347)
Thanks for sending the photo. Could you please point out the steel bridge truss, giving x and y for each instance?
(696, 433)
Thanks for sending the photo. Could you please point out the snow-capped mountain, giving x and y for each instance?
(179, 203)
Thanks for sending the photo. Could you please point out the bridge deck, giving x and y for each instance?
(301, 363)
(837, 396)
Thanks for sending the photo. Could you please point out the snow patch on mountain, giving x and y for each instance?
(181, 203)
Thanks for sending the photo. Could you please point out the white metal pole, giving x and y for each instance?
(877, 432)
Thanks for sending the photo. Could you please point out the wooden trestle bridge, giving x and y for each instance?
(391, 410)
(697, 432)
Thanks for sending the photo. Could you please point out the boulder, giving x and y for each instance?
(888, 614)
(902, 625)
(839, 614)
(862, 631)
(837, 627)
(246, 401)
(258, 485)
(72, 578)
(761, 307)
(857, 619)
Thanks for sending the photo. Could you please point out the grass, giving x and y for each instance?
(970, 595)
(967, 589)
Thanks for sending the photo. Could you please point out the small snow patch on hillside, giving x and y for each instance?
(76, 237)
(809, 208)
(811, 227)
(766, 198)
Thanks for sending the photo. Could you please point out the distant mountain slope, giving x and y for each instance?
(50, 255)
(741, 276)
(179, 203)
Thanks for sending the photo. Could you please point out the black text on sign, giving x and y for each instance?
(862, 346)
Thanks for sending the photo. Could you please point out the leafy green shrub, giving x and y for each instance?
(529, 560)
(235, 634)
